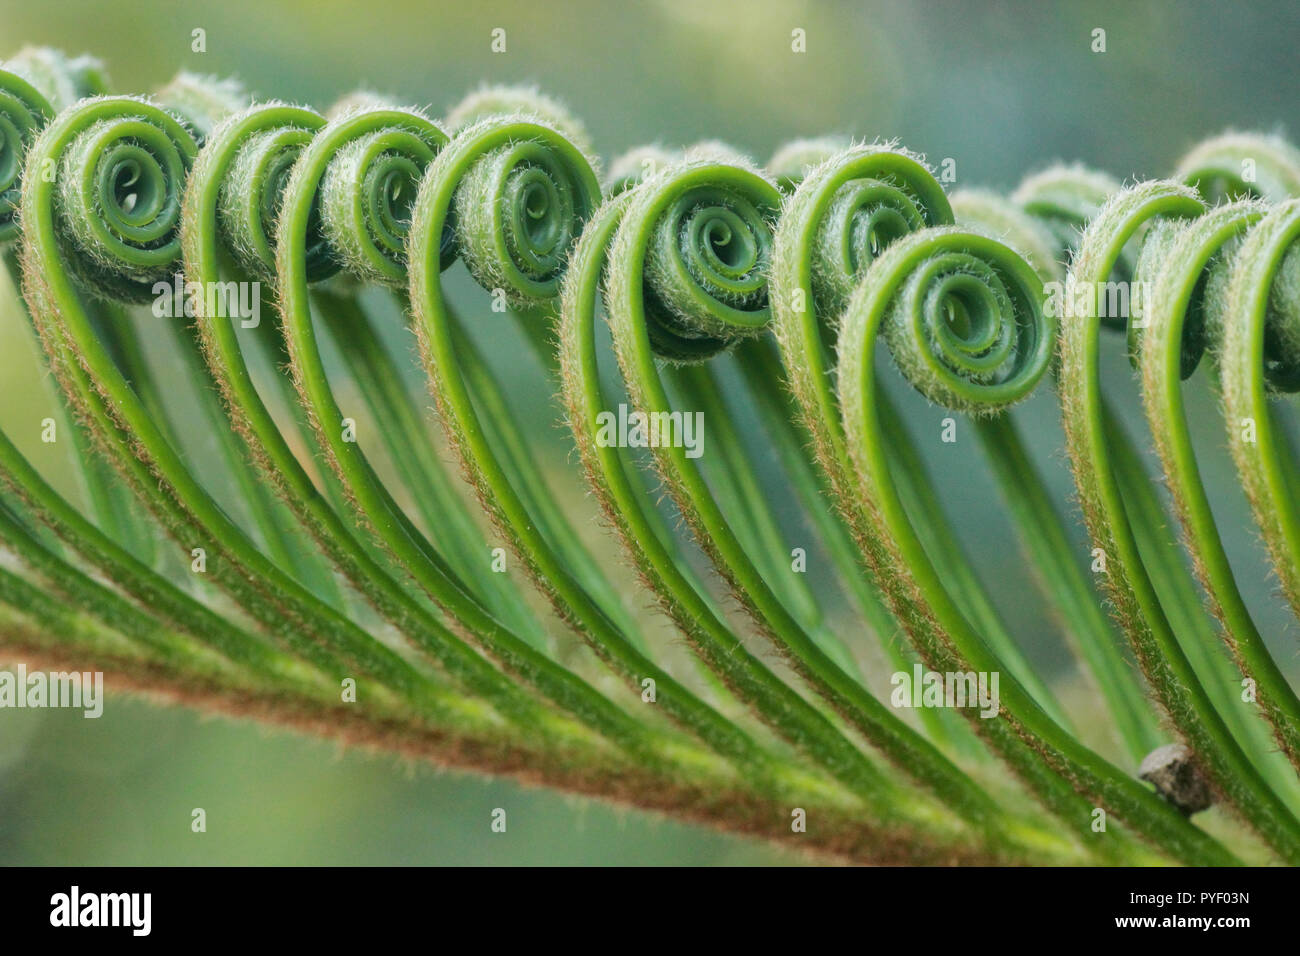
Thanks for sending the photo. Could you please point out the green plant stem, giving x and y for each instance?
(450, 390)
(1037, 753)
(1250, 372)
(626, 312)
(126, 430)
(1052, 557)
(326, 526)
(426, 479)
(730, 472)
(714, 796)
(1162, 365)
(1183, 603)
(107, 500)
(129, 573)
(511, 446)
(1167, 668)
(624, 503)
(946, 551)
(760, 363)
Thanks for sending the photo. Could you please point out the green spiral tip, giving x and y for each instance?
(23, 113)
(1242, 165)
(1174, 243)
(962, 315)
(1282, 324)
(369, 186)
(854, 205)
(524, 193)
(700, 234)
(1260, 306)
(241, 175)
(719, 151)
(34, 85)
(522, 100)
(1109, 260)
(119, 168)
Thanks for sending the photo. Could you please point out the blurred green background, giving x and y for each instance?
(1002, 88)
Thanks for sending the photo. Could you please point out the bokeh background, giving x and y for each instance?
(1003, 88)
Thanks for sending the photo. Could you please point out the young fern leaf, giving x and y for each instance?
(1154, 640)
(1051, 762)
(862, 215)
(1042, 531)
(287, 684)
(760, 363)
(703, 200)
(1078, 193)
(693, 257)
(528, 170)
(1182, 269)
(714, 190)
(302, 360)
(386, 146)
(34, 85)
(51, 291)
(1258, 360)
(63, 237)
(730, 467)
(24, 111)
